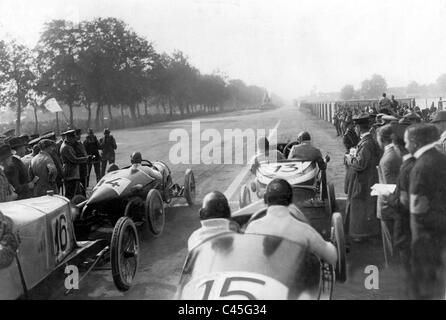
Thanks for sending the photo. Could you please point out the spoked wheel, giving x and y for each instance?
(244, 197)
(332, 196)
(124, 253)
(189, 187)
(132, 208)
(338, 238)
(154, 213)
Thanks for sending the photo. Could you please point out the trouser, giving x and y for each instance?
(104, 166)
(70, 188)
(97, 171)
(338, 128)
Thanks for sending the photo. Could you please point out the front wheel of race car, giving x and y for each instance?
(332, 196)
(338, 238)
(154, 212)
(189, 187)
(124, 253)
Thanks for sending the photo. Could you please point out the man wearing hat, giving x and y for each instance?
(361, 219)
(80, 152)
(43, 167)
(385, 104)
(70, 164)
(108, 146)
(15, 172)
(91, 144)
(440, 122)
(18, 146)
(7, 192)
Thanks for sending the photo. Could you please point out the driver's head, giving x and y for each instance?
(136, 157)
(215, 205)
(278, 192)
(303, 136)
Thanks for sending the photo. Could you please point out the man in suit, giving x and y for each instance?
(440, 122)
(389, 165)
(361, 221)
(427, 199)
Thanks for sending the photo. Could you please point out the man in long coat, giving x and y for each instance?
(361, 220)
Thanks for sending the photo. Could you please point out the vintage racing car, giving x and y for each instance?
(259, 267)
(47, 246)
(138, 191)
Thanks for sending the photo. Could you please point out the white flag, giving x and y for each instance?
(52, 106)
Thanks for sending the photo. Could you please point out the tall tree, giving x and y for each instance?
(347, 92)
(58, 57)
(374, 87)
(16, 77)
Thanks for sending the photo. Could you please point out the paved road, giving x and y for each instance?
(162, 258)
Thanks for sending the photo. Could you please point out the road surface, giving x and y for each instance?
(162, 258)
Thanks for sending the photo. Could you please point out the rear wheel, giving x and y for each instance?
(244, 197)
(332, 196)
(189, 187)
(338, 238)
(154, 213)
(124, 253)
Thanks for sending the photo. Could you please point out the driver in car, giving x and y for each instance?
(305, 151)
(279, 222)
(265, 154)
(215, 216)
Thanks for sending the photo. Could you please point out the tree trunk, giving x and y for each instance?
(133, 112)
(146, 108)
(19, 115)
(110, 113)
(98, 115)
(70, 106)
(170, 108)
(122, 115)
(89, 115)
(138, 112)
(36, 128)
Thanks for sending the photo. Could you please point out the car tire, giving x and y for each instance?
(338, 238)
(154, 213)
(124, 253)
(332, 196)
(189, 187)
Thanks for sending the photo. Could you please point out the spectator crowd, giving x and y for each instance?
(30, 166)
(406, 149)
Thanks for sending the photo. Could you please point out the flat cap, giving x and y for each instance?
(69, 133)
(17, 142)
(360, 119)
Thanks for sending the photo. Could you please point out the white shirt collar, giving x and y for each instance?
(364, 134)
(422, 150)
(215, 223)
(389, 146)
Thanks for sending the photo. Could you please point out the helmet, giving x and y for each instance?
(136, 157)
(303, 136)
(215, 205)
(278, 192)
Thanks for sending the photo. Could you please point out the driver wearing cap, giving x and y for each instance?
(305, 151)
(279, 222)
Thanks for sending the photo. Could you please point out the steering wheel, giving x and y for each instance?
(287, 149)
(148, 162)
(257, 215)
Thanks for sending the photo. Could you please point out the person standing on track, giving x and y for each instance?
(91, 144)
(361, 221)
(70, 163)
(108, 146)
(427, 199)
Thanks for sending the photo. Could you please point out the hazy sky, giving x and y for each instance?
(289, 47)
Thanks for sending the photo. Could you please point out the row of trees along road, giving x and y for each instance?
(374, 87)
(104, 63)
